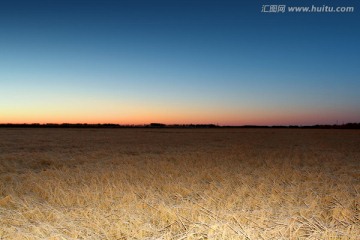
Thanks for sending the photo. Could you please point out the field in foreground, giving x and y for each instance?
(179, 184)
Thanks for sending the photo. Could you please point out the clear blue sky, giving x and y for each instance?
(178, 61)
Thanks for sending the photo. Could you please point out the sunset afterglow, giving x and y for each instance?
(136, 62)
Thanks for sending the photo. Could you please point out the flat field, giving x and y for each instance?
(179, 184)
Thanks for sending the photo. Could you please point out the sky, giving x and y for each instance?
(177, 62)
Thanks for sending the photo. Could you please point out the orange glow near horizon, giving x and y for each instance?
(143, 115)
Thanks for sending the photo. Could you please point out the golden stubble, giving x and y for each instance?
(179, 184)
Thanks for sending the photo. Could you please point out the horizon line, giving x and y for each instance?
(352, 125)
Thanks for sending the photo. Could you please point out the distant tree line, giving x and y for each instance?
(162, 125)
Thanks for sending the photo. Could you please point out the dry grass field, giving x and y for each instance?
(179, 184)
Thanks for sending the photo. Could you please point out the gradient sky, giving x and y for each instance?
(178, 61)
